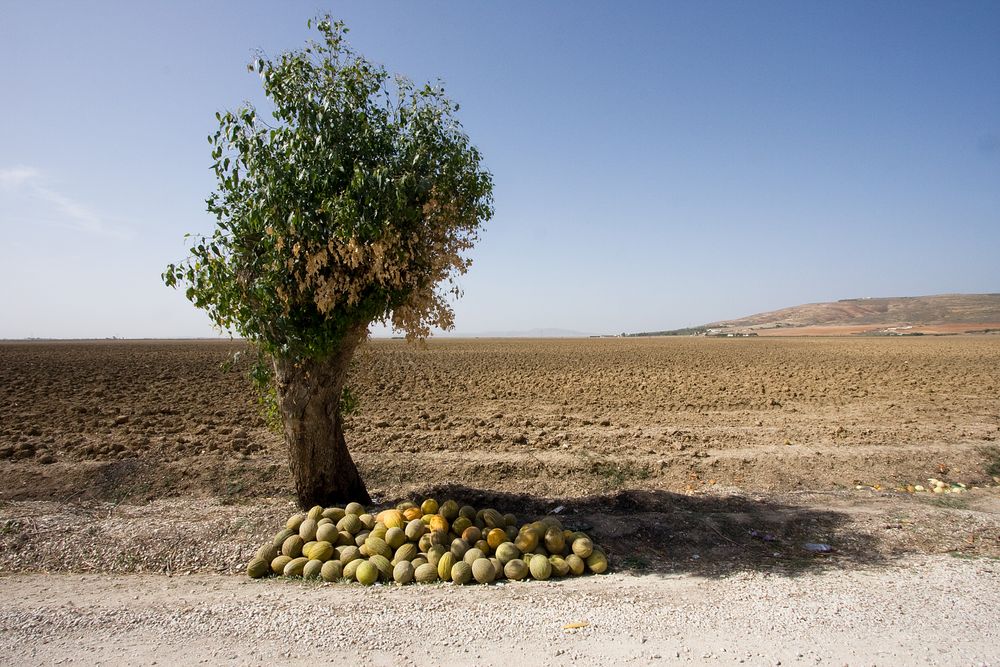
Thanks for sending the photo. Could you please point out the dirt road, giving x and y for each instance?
(924, 610)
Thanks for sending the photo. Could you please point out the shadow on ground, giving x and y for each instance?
(669, 533)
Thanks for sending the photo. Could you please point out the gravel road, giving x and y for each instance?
(921, 610)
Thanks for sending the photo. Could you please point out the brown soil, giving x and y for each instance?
(667, 448)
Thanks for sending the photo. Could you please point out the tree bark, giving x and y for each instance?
(309, 393)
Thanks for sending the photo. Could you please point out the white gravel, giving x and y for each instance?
(936, 610)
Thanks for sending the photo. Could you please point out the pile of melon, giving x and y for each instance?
(424, 543)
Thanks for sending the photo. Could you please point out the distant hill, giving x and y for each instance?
(939, 314)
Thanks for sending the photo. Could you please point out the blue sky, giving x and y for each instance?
(657, 164)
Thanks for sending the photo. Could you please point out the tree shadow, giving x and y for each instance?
(669, 533)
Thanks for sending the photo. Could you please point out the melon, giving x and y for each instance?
(360, 538)
(472, 534)
(472, 555)
(424, 543)
(415, 530)
(395, 537)
(405, 552)
(555, 542)
(294, 567)
(496, 537)
(383, 565)
(444, 565)
(294, 522)
(368, 520)
(267, 552)
(412, 513)
(482, 571)
(459, 547)
(378, 546)
(560, 568)
(327, 533)
(392, 518)
(434, 554)
(307, 547)
(576, 564)
(418, 561)
(440, 537)
(597, 561)
(526, 541)
(449, 510)
(507, 552)
(468, 511)
(292, 547)
(540, 568)
(332, 570)
(335, 514)
(281, 536)
(461, 573)
(312, 569)
(345, 539)
(350, 569)
(258, 567)
(582, 547)
(356, 509)
(315, 513)
(425, 574)
(402, 573)
(279, 563)
(515, 569)
(493, 519)
(438, 523)
(350, 523)
(497, 568)
(483, 546)
(509, 520)
(323, 522)
(429, 506)
(348, 554)
(321, 551)
(460, 524)
(366, 573)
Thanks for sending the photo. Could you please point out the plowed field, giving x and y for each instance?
(550, 417)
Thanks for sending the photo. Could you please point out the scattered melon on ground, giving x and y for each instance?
(424, 543)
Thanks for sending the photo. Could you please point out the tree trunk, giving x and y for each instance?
(309, 393)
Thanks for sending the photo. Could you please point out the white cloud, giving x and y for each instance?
(15, 177)
(29, 181)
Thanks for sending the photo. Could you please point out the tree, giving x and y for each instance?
(354, 203)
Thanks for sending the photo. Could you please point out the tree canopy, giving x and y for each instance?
(354, 200)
